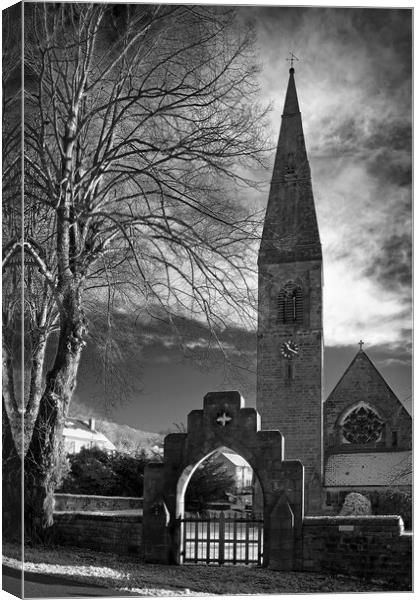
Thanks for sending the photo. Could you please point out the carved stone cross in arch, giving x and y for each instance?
(223, 419)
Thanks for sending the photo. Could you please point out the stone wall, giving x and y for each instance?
(121, 534)
(82, 502)
(373, 547)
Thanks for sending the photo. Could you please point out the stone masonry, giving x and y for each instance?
(362, 382)
(370, 547)
(289, 390)
(225, 422)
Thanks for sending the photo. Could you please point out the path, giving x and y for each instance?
(40, 585)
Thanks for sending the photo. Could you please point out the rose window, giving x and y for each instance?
(362, 426)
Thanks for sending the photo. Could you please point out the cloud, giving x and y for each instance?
(393, 267)
(354, 308)
(354, 85)
(389, 362)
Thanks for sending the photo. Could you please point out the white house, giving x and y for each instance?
(239, 469)
(79, 434)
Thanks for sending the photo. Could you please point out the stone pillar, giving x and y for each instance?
(156, 517)
(281, 543)
(284, 510)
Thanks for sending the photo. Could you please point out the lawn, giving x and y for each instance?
(126, 573)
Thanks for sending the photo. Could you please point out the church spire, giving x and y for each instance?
(290, 232)
(291, 101)
(290, 306)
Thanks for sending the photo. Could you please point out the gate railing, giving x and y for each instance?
(225, 538)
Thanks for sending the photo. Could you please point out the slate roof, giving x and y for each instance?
(369, 469)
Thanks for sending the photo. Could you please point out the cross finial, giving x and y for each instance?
(361, 343)
(292, 59)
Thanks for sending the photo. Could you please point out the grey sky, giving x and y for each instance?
(354, 81)
(354, 85)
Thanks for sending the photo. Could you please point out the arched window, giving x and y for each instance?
(362, 425)
(290, 304)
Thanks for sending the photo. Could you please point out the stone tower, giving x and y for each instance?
(290, 326)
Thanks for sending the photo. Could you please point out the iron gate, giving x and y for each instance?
(225, 538)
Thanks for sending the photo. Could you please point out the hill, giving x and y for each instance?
(126, 438)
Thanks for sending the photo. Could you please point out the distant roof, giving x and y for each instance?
(77, 424)
(236, 459)
(76, 429)
(370, 469)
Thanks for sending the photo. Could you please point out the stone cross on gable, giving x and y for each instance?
(361, 343)
(223, 419)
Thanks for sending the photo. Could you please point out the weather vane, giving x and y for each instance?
(292, 59)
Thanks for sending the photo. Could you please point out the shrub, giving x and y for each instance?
(208, 484)
(355, 504)
(94, 471)
(394, 502)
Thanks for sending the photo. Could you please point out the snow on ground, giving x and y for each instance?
(130, 574)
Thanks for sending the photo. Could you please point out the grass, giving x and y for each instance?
(128, 574)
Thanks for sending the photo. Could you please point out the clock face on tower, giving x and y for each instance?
(289, 349)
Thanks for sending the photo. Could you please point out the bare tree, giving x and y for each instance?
(140, 121)
(12, 307)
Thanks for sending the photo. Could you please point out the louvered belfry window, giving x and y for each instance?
(290, 304)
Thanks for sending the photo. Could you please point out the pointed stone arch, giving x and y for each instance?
(189, 471)
(224, 421)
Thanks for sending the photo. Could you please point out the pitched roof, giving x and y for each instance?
(77, 424)
(369, 469)
(362, 361)
(80, 430)
(236, 459)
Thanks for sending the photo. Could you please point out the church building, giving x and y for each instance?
(359, 439)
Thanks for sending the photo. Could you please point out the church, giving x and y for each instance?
(360, 437)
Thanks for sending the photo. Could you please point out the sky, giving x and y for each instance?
(354, 85)
(353, 80)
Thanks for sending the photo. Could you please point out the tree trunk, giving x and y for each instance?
(45, 456)
(12, 482)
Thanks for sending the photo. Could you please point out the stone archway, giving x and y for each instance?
(224, 421)
(216, 533)
(186, 477)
